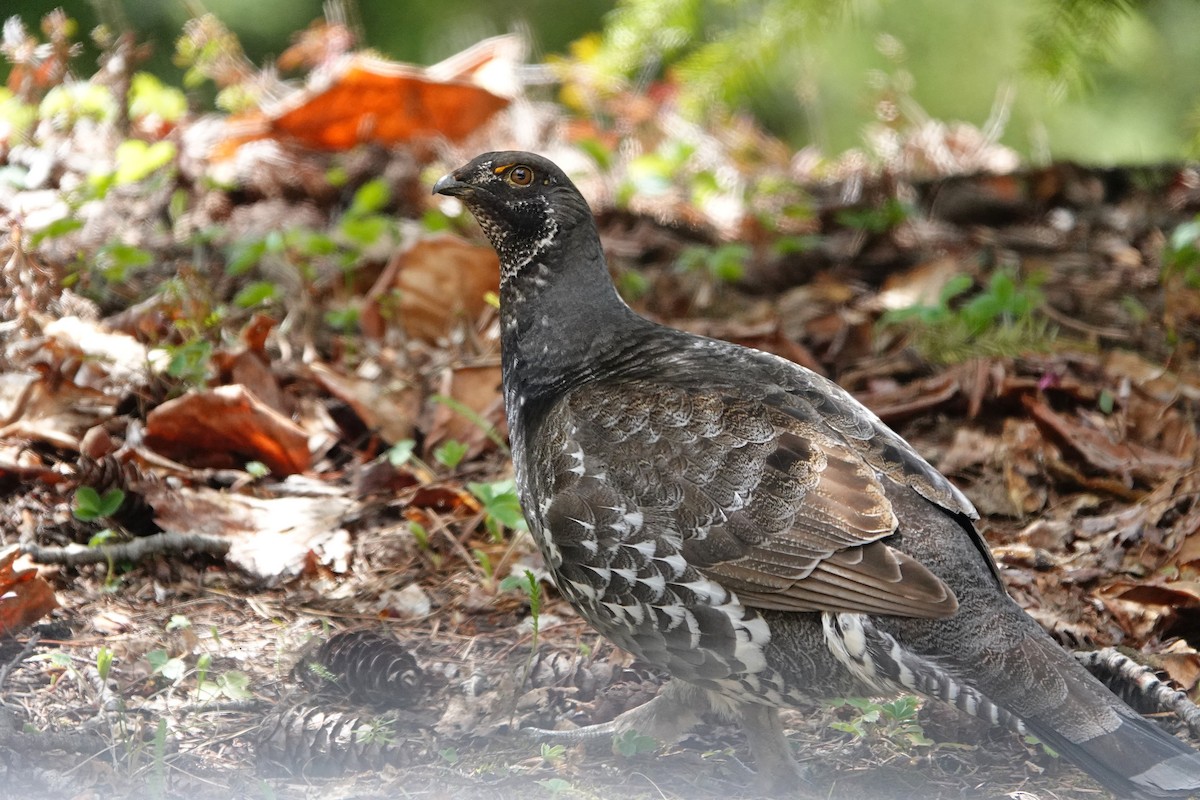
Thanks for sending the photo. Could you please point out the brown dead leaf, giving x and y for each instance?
(1173, 594)
(110, 621)
(1183, 667)
(1101, 449)
(440, 497)
(250, 369)
(225, 428)
(115, 356)
(474, 390)
(387, 405)
(362, 98)
(1023, 454)
(273, 539)
(25, 597)
(435, 285)
(921, 285)
(1154, 380)
(47, 407)
(893, 402)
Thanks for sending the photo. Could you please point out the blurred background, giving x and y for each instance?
(1099, 81)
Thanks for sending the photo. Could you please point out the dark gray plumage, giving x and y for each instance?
(748, 526)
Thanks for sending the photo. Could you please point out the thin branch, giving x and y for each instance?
(135, 550)
(21, 656)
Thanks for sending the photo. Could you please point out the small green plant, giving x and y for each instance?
(501, 506)
(377, 731)
(257, 469)
(449, 755)
(485, 565)
(450, 453)
(875, 220)
(90, 505)
(552, 753)
(232, 685)
(104, 660)
(256, 293)
(473, 417)
(655, 173)
(178, 622)
(116, 260)
(1002, 320)
(164, 665)
(726, 263)
(557, 786)
(158, 775)
(189, 361)
(99, 539)
(632, 743)
(362, 225)
(895, 720)
(401, 452)
(1181, 254)
(528, 583)
(1034, 741)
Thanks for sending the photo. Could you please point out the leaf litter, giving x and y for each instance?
(312, 578)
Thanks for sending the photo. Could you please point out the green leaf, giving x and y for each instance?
(162, 664)
(104, 660)
(450, 453)
(435, 221)
(148, 96)
(632, 743)
(364, 230)
(500, 502)
(178, 622)
(235, 685)
(116, 260)
(255, 293)
(343, 319)
(243, 255)
(399, 454)
(90, 505)
(371, 197)
(257, 469)
(189, 361)
(57, 228)
(137, 160)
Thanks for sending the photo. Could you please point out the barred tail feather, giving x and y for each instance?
(878, 659)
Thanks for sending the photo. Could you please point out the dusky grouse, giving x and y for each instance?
(748, 526)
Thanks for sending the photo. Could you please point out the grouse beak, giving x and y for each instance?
(450, 185)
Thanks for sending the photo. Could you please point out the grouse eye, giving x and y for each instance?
(520, 176)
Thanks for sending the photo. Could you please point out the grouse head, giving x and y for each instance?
(524, 203)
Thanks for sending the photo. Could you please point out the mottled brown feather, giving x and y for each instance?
(787, 514)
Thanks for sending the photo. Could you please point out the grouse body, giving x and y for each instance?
(746, 525)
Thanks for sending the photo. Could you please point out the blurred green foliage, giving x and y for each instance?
(1095, 80)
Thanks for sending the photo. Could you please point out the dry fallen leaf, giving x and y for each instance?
(50, 408)
(431, 287)
(25, 597)
(1101, 449)
(273, 539)
(468, 409)
(227, 427)
(388, 405)
(362, 98)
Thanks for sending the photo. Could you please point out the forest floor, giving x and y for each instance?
(252, 450)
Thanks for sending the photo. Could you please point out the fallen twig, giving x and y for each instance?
(134, 550)
(21, 656)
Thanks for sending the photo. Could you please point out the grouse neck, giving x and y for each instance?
(562, 321)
